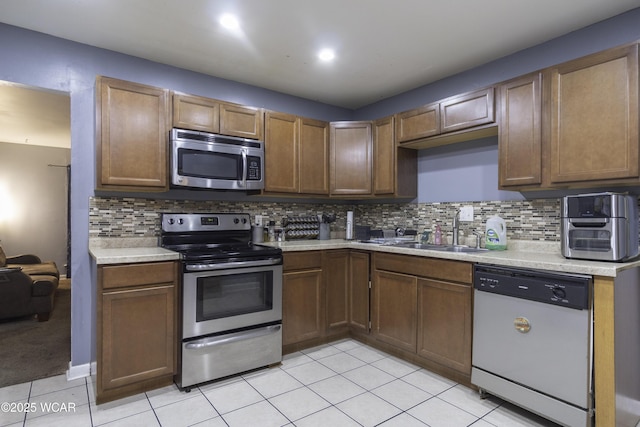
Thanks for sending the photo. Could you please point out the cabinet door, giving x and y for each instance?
(520, 141)
(132, 125)
(384, 157)
(444, 323)
(314, 156)
(336, 276)
(138, 335)
(359, 291)
(467, 110)
(394, 311)
(351, 158)
(196, 113)
(594, 117)
(245, 122)
(281, 153)
(302, 302)
(418, 123)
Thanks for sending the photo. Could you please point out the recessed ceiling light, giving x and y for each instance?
(326, 54)
(229, 21)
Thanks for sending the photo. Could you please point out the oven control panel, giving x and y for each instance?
(183, 223)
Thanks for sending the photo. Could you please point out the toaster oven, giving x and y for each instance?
(600, 226)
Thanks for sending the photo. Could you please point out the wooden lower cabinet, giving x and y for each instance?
(136, 337)
(444, 323)
(394, 319)
(337, 289)
(302, 297)
(359, 286)
(422, 311)
(323, 292)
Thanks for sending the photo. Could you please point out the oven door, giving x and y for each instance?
(217, 165)
(228, 299)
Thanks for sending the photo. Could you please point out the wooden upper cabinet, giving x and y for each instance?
(314, 156)
(384, 157)
(467, 110)
(244, 122)
(395, 169)
(196, 113)
(594, 118)
(351, 158)
(132, 125)
(418, 123)
(520, 134)
(459, 118)
(211, 115)
(296, 154)
(281, 153)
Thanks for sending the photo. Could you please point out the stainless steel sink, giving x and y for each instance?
(444, 248)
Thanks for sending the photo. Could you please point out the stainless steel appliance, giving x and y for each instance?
(216, 162)
(532, 341)
(600, 226)
(231, 298)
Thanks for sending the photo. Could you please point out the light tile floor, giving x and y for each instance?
(345, 383)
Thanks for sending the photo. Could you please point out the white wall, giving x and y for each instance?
(33, 201)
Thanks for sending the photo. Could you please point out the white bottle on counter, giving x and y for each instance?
(349, 230)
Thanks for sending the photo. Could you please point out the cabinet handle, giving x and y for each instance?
(232, 338)
(244, 169)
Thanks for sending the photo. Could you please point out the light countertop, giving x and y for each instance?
(524, 254)
(128, 250)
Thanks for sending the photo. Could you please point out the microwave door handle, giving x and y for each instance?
(244, 169)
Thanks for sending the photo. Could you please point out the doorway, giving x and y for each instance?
(35, 157)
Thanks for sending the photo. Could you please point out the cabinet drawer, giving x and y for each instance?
(302, 260)
(456, 271)
(120, 276)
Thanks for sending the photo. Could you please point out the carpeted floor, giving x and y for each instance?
(30, 350)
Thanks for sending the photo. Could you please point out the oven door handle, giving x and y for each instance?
(236, 264)
(232, 338)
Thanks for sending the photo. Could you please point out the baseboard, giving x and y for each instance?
(80, 371)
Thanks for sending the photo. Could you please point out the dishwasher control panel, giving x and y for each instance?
(567, 290)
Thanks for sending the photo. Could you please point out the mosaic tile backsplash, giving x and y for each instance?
(526, 220)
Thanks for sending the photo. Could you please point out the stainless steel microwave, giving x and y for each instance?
(216, 162)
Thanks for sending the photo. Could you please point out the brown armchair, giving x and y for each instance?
(27, 286)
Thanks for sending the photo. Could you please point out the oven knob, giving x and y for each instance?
(236, 221)
(559, 293)
(171, 221)
(180, 221)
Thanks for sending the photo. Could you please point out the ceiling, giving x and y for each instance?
(382, 48)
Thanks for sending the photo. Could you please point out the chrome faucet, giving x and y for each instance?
(456, 227)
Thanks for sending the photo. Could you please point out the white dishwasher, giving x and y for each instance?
(532, 341)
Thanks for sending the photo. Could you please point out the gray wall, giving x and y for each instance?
(468, 172)
(37, 195)
(35, 59)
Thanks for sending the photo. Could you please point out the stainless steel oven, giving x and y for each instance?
(231, 299)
